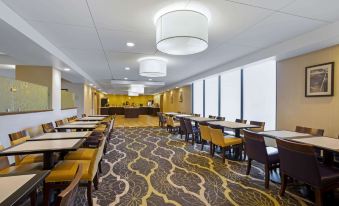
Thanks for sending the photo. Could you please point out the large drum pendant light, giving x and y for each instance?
(152, 67)
(182, 32)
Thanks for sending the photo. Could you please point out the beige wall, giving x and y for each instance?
(88, 100)
(176, 106)
(293, 108)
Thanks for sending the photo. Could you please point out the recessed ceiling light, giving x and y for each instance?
(130, 44)
(125, 78)
(90, 84)
(2, 53)
(149, 79)
(94, 86)
(127, 68)
(67, 69)
(176, 87)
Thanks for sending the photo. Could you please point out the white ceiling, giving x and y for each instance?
(237, 28)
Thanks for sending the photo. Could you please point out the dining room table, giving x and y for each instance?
(178, 116)
(91, 119)
(98, 115)
(77, 127)
(61, 135)
(283, 134)
(15, 187)
(236, 126)
(46, 147)
(84, 122)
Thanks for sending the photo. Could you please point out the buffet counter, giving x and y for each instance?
(132, 112)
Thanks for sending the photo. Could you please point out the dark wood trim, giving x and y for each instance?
(26, 189)
(332, 80)
(24, 112)
(69, 108)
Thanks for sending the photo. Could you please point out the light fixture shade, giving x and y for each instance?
(152, 67)
(132, 94)
(182, 32)
(137, 88)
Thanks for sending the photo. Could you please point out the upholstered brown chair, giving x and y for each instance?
(311, 131)
(59, 123)
(261, 127)
(257, 150)
(190, 131)
(212, 117)
(221, 118)
(182, 129)
(48, 127)
(67, 197)
(299, 162)
(196, 115)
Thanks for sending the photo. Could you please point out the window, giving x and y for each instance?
(198, 107)
(212, 96)
(260, 93)
(230, 95)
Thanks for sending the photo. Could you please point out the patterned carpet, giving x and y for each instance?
(148, 166)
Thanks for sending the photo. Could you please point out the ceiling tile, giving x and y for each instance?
(268, 4)
(277, 28)
(326, 10)
(73, 12)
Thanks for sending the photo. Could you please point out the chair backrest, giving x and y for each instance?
(241, 121)
(59, 123)
(299, 161)
(260, 129)
(189, 126)
(18, 138)
(16, 135)
(48, 127)
(182, 125)
(255, 146)
(170, 121)
(221, 118)
(205, 132)
(311, 131)
(196, 115)
(4, 163)
(212, 117)
(83, 115)
(35, 131)
(217, 136)
(67, 197)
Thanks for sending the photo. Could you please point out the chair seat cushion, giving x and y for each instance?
(328, 175)
(273, 155)
(81, 154)
(32, 158)
(65, 171)
(22, 168)
(230, 140)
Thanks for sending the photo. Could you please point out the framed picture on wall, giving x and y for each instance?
(319, 80)
(181, 98)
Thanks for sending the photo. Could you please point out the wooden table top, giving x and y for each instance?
(232, 125)
(84, 123)
(183, 115)
(327, 143)
(171, 113)
(15, 187)
(77, 126)
(61, 135)
(283, 134)
(98, 115)
(92, 118)
(201, 119)
(33, 147)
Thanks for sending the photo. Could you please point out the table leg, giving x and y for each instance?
(328, 158)
(237, 132)
(48, 160)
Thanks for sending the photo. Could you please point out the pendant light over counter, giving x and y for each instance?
(182, 32)
(152, 67)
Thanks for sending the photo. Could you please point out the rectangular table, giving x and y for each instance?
(61, 135)
(170, 113)
(15, 187)
(87, 127)
(47, 147)
(84, 122)
(283, 134)
(326, 143)
(92, 118)
(236, 126)
(201, 119)
(182, 115)
(98, 115)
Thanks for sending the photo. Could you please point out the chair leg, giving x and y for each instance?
(33, 198)
(211, 148)
(89, 193)
(318, 197)
(193, 137)
(46, 194)
(223, 151)
(267, 176)
(100, 166)
(96, 181)
(249, 165)
(202, 145)
(283, 184)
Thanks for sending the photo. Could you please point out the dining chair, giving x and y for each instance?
(257, 150)
(182, 129)
(48, 127)
(212, 117)
(306, 168)
(221, 118)
(311, 131)
(205, 135)
(67, 197)
(59, 123)
(172, 126)
(196, 115)
(261, 127)
(83, 115)
(225, 142)
(190, 131)
(21, 137)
